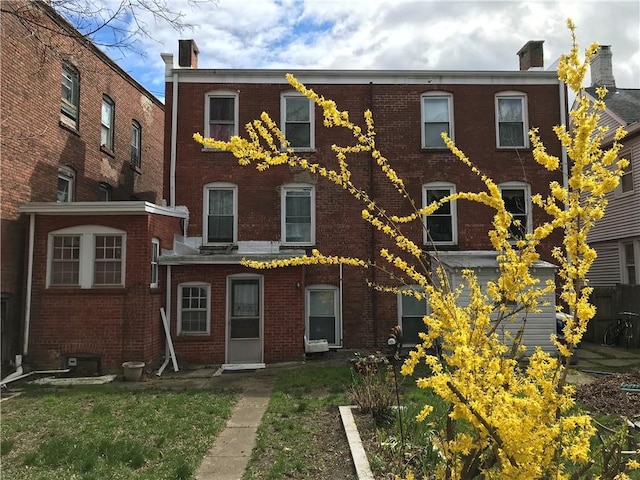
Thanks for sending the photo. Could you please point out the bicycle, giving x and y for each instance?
(622, 325)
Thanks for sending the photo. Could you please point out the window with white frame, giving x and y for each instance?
(511, 120)
(441, 227)
(411, 312)
(107, 120)
(106, 192)
(626, 181)
(220, 213)
(323, 314)
(86, 256)
(298, 121)
(66, 184)
(70, 103)
(629, 275)
(136, 144)
(194, 310)
(298, 214)
(517, 201)
(155, 255)
(221, 115)
(437, 117)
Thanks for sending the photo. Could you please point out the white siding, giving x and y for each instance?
(605, 271)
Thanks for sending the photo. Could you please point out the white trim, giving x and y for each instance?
(207, 288)
(68, 175)
(624, 275)
(102, 208)
(526, 188)
(400, 297)
(87, 234)
(509, 94)
(297, 187)
(453, 207)
(336, 308)
(431, 95)
(155, 248)
(205, 211)
(221, 94)
(284, 96)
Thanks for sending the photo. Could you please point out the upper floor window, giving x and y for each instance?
(298, 214)
(221, 115)
(626, 181)
(511, 120)
(66, 184)
(136, 144)
(517, 201)
(441, 225)
(194, 308)
(298, 121)
(70, 103)
(105, 192)
(220, 213)
(437, 117)
(86, 256)
(108, 118)
(155, 255)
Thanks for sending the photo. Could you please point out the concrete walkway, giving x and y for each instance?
(228, 457)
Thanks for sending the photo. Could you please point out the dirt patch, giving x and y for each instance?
(606, 395)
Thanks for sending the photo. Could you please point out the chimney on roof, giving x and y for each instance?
(602, 68)
(187, 53)
(531, 55)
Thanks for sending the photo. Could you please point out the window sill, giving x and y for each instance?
(75, 289)
(301, 150)
(69, 126)
(106, 150)
(522, 149)
(434, 149)
(295, 246)
(136, 169)
(193, 334)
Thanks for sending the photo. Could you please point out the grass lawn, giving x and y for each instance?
(109, 432)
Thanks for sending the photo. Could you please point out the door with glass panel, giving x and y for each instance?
(323, 319)
(244, 320)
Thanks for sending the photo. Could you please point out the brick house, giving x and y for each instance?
(222, 312)
(81, 145)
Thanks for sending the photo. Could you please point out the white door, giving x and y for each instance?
(244, 320)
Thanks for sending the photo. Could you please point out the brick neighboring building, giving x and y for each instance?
(75, 128)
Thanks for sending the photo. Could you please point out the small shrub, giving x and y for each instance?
(372, 389)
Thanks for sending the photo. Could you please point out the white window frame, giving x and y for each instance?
(436, 95)
(400, 298)
(106, 192)
(155, 265)
(207, 110)
(70, 107)
(453, 208)
(207, 288)
(136, 144)
(526, 188)
(304, 188)
(107, 124)
(283, 120)
(87, 234)
(336, 308)
(511, 95)
(205, 211)
(68, 176)
(625, 264)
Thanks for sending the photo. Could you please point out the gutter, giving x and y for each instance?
(27, 308)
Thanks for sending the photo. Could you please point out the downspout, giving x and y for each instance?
(27, 308)
(340, 307)
(563, 121)
(374, 295)
(174, 133)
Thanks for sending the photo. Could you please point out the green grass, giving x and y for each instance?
(109, 432)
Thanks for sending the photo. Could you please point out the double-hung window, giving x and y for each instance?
(220, 213)
(155, 255)
(629, 263)
(298, 214)
(626, 181)
(136, 144)
(511, 120)
(298, 121)
(411, 312)
(440, 226)
(517, 201)
(323, 314)
(437, 117)
(221, 115)
(86, 256)
(107, 120)
(70, 102)
(66, 184)
(194, 310)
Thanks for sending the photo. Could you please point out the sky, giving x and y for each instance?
(387, 35)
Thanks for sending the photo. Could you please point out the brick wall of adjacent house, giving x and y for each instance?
(367, 316)
(117, 324)
(283, 315)
(35, 144)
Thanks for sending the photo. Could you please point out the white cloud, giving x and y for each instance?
(399, 34)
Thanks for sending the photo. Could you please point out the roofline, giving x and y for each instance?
(102, 208)
(77, 35)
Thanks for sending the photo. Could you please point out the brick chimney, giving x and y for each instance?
(602, 68)
(531, 55)
(187, 53)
